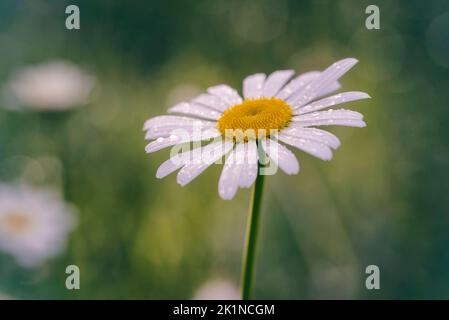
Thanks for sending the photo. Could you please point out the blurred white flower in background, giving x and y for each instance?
(54, 86)
(5, 297)
(217, 290)
(34, 223)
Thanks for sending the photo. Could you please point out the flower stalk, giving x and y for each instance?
(249, 255)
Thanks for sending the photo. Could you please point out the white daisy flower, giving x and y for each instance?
(55, 85)
(34, 224)
(273, 112)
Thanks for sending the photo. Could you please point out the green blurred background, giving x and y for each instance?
(382, 200)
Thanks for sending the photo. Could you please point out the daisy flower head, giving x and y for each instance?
(253, 131)
(34, 223)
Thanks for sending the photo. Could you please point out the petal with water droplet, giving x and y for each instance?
(249, 172)
(195, 109)
(314, 148)
(209, 154)
(326, 78)
(332, 101)
(230, 175)
(280, 155)
(275, 81)
(253, 85)
(313, 134)
(225, 93)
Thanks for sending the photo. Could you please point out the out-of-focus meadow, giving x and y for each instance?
(382, 200)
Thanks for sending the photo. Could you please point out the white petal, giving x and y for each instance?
(326, 78)
(195, 110)
(297, 83)
(334, 86)
(314, 134)
(249, 172)
(211, 101)
(154, 133)
(226, 93)
(331, 122)
(165, 125)
(331, 114)
(275, 82)
(166, 132)
(332, 101)
(183, 137)
(280, 155)
(161, 143)
(176, 162)
(166, 121)
(209, 154)
(168, 167)
(229, 179)
(253, 85)
(331, 88)
(314, 148)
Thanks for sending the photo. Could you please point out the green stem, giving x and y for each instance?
(249, 256)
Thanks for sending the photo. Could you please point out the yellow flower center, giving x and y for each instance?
(17, 222)
(255, 118)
